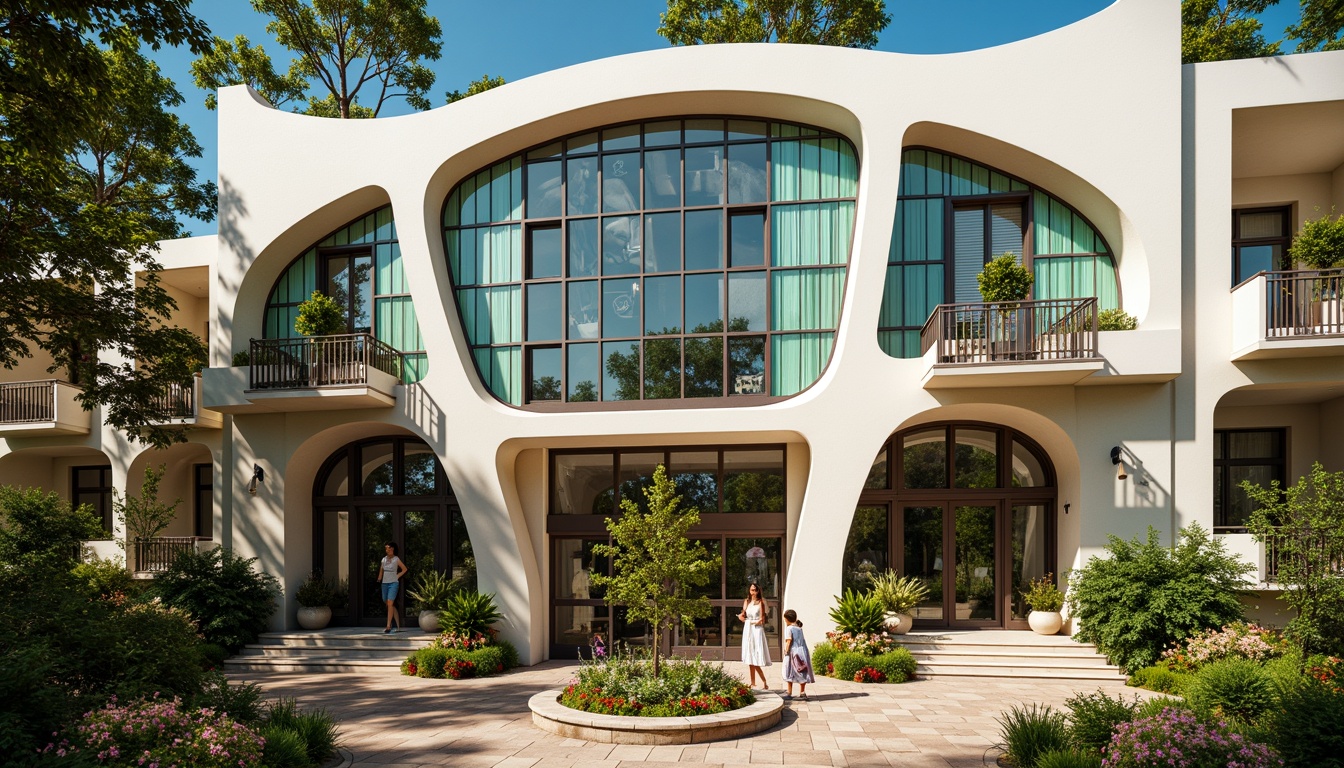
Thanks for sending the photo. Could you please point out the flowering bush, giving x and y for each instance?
(462, 642)
(1329, 673)
(866, 644)
(454, 656)
(623, 684)
(1176, 739)
(869, 675)
(459, 668)
(161, 733)
(1234, 641)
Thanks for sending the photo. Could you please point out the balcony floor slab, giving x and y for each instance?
(1009, 374)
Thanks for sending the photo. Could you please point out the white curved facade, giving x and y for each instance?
(1100, 113)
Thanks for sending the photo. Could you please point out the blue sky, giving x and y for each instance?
(519, 38)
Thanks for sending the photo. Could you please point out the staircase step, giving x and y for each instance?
(280, 652)
(987, 670)
(1004, 653)
(306, 664)
(1018, 659)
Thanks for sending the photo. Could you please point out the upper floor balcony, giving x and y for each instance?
(41, 408)
(1288, 313)
(181, 404)
(343, 371)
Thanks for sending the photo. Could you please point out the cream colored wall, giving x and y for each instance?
(1331, 449)
(1310, 194)
(1303, 423)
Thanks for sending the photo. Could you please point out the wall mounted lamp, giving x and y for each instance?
(1118, 459)
(258, 477)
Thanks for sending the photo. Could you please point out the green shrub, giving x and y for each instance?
(489, 660)
(319, 315)
(240, 701)
(429, 662)
(510, 653)
(1146, 596)
(108, 578)
(848, 664)
(284, 748)
(1116, 320)
(899, 594)
(628, 687)
(823, 653)
(230, 601)
(317, 592)
(1232, 689)
(898, 665)
(1158, 679)
(1043, 595)
(1030, 731)
(1068, 759)
(316, 728)
(214, 654)
(1307, 726)
(858, 613)
(1284, 672)
(1004, 279)
(433, 590)
(1155, 706)
(1093, 717)
(469, 613)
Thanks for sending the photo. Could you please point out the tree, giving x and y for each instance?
(344, 45)
(1320, 26)
(1304, 527)
(474, 87)
(703, 362)
(654, 565)
(145, 517)
(847, 23)
(1217, 30)
(92, 172)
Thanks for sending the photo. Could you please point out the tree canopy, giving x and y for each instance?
(92, 173)
(847, 23)
(474, 87)
(1218, 30)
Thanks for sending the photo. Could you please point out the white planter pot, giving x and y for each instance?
(898, 623)
(1045, 622)
(429, 621)
(314, 618)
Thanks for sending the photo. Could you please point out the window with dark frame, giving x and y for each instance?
(1260, 238)
(203, 492)
(92, 485)
(1255, 455)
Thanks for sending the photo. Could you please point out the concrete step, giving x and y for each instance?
(282, 652)
(1004, 657)
(340, 649)
(1001, 653)
(309, 665)
(1008, 670)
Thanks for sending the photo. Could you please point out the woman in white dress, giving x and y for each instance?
(755, 653)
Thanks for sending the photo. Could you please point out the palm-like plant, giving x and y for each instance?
(433, 591)
(858, 613)
(899, 594)
(469, 613)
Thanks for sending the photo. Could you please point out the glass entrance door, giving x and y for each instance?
(416, 534)
(952, 548)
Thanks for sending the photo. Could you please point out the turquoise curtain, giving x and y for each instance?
(493, 315)
(389, 273)
(919, 231)
(797, 360)
(395, 323)
(502, 369)
(811, 234)
(811, 169)
(486, 255)
(806, 299)
(493, 195)
(1076, 277)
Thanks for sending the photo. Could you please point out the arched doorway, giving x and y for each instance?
(379, 490)
(968, 508)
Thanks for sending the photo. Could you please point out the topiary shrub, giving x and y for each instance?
(1146, 596)
(1004, 280)
(1031, 731)
(822, 655)
(320, 315)
(1158, 678)
(896, 665)
(1232, 689)
(229, 600)
(858, 613)
(1093, 717)
(847, 665)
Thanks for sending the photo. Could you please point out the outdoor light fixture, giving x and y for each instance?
(1117, 458)
(258, 477)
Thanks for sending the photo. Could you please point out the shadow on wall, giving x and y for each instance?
(232, 212)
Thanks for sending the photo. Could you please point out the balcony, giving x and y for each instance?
(1274, 555)
(40, 409)
(1027, 343)
(1290, 313)
(182, 404)
(307, 374)
(154, 555)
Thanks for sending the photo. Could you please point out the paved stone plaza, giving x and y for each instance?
(395, 721)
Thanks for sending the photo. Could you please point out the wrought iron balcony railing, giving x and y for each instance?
(27, 402)
(1304, 302)
(154, 555)
(1044, 330)
(320, 361)
(1276, 553)
(177, 401)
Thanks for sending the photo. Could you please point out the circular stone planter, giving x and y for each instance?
(549, 714)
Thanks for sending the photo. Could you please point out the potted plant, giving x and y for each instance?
(1045, 601)
(321, 315)
(1319, 245)
(1003, 283)
(899, 595)
(316, 598)
(431, 594)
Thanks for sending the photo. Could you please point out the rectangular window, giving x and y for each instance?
(1257, 455)
(203, 487)
(1260, 238)
(93, 486)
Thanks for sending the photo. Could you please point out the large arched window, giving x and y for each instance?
(953, 215)
(360, 266)
(700, 258)
(965, 507)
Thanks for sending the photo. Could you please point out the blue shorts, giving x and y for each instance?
(390, 590)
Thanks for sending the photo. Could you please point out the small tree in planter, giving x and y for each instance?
(1320, 245)
(1004, 282)
(655, 564)
(1116, 320)
(320, 315)
(1045, 601)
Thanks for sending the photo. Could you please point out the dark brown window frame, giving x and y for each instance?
(203, 508)
(1284, 211)
(104, 508)
(1222, 494)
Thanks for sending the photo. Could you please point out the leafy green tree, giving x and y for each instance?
(474, 87)
(655, 567)
(1304, 524)
(320, 315)
(373, 48)
(92, 173)
(1146, 596)
(847, 23)
(1320, 26)
(703, 363)
(145, 516)
(1217, 30)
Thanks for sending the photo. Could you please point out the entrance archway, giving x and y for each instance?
(378, 490)
(968, 508)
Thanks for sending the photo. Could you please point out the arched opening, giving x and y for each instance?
(968, 508)
(378, 490)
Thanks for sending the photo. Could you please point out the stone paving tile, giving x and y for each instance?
(390, 721)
